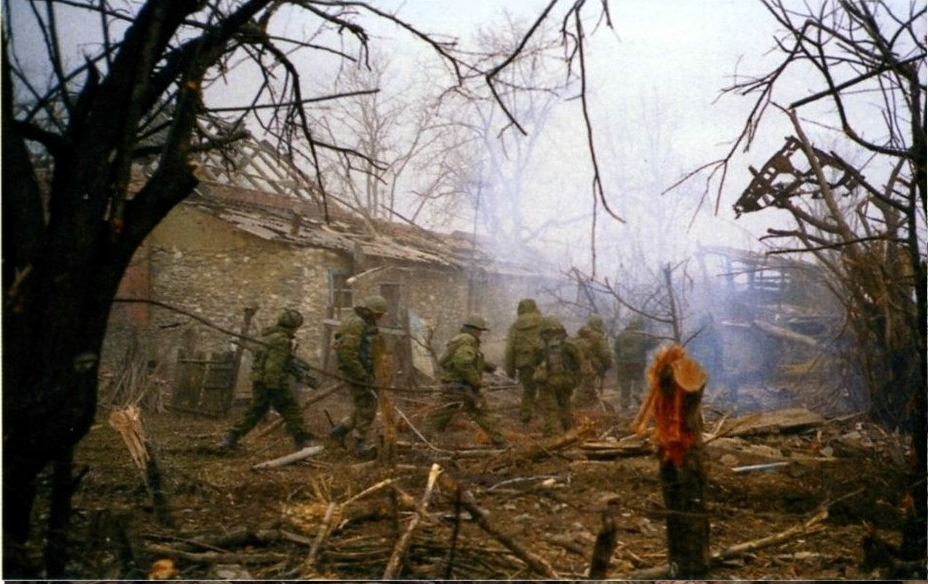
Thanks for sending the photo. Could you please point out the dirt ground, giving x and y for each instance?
(230, 522)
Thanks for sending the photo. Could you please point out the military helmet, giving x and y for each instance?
(376, 304)
(551, 323)
(477, 322)
(527, 305)
(290, 318)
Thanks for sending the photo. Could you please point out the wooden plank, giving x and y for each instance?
(779, 421)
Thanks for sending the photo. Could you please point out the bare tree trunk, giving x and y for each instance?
(674, 318)
(56, 548)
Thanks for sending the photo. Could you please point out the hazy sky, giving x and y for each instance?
(653, 84)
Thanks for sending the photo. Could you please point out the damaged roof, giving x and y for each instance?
(258, 193)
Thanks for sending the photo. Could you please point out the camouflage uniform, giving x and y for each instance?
(560, 362)
(462, 365)
(631, 359)
(592, 341)
(354, 341)
(271, 383)
(523, 342)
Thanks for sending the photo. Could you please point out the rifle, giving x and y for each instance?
(302, 371)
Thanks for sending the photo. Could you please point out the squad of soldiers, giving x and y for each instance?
(554, 372)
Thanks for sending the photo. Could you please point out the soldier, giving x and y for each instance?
(523, 342)
(631, 359)
(592, 341)
(354, 341)
(560, 362)
(270, 380)
(462, 365)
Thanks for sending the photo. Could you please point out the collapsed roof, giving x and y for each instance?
(259, 192)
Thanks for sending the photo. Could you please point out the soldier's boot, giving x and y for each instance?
(229, 441)
(499, 441)
(303, 440)
(364, 450)
(339, 433)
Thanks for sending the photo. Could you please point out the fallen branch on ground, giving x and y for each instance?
(289, 458)
(469, 502)
(400, 549)
(216, 557)
(309, 565)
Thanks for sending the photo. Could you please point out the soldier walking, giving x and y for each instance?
(557, 374)
(462, 365)
(592, 341)
(354, 341)
(523, 343)
(631, 359)
(270, 383)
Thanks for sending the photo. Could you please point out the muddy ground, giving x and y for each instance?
(230, 522)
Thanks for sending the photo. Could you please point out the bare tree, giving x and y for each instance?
(391, 127)
(860, 206)
(143, 90)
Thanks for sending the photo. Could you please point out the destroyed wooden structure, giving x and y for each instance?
(779, 327)
(203, 383)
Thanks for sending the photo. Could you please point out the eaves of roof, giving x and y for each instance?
(344, 235)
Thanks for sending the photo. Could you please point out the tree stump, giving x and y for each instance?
(676, 388)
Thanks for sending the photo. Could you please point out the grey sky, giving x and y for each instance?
(653, 84)
(654, 78)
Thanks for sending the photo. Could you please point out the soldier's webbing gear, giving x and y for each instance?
(271, 357)
(554, 358)
(354, 349)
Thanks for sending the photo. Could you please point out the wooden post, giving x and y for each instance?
(383, 375)
(603, 548)
(676, 387)
(240, 346)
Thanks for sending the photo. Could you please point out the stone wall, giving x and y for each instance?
(203, 266)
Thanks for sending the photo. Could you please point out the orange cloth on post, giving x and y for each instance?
(670, 435)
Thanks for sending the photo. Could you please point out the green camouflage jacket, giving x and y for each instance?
(462, 362)
(595, 347)
(353, 346)
(632, 345)
(560, 363)
(523, 339)
(270, 358)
